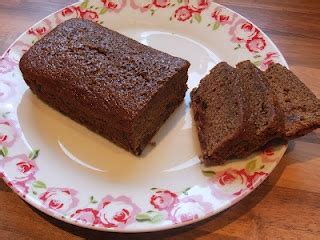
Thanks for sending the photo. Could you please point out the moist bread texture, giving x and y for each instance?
(110, 83)
(220, 113)
(238, 111)
(300, 106)
(266, 119)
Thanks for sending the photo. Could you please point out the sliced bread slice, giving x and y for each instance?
(220, 114)
(266, 120)
(300, 106)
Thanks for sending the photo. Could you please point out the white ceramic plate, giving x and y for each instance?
(70, 173)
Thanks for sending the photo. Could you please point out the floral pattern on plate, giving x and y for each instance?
(162, 208)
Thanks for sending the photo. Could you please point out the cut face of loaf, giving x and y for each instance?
(219, 113)
(300, 106)
(238, 111)
(266, 119)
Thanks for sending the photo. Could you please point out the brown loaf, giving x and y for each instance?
(266, 119)
(238, 111)
(112, 84)
(221, 114)
(300, 106)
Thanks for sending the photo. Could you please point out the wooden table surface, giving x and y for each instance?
(286, 206)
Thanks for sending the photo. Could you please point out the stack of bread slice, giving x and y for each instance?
(239, 110)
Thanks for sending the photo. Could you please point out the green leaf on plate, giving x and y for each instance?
(92, 200)
(153, 189)
(150, 216)
(197, 17)
(185, 192)
(152, 12)
(143, 217)
(4, 115)
(180, 1)
(216, 26)
(257, 56)
(103, 10)
(237, 47)
(34, 154)
(84, 4)
(39, 184)
(251, 166)
(4, 151)
(208, 173)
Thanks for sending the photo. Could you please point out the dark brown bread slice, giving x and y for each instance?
(112, 84)
(220, 114)
(300, 106)
(266, 120)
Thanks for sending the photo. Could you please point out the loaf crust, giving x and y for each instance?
(112, 84)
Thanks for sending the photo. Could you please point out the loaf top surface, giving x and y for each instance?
(119, 73)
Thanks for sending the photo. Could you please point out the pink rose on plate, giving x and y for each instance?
(256, 44)
(232, 182)
(8, 132)
(163, 200)
(90, 15)
(223, 16)
(116, 212)
(67, 13)
(269, 155)
(269, 152)
(19, 170)
(59, 199)
(6, 91)
(243, 31)
(142, 5)
(41, 29)
(268, 60)
(86, 215)
(75, 12)
(161, 3)
(183, 13)
(228, 183)
(189, 209)
(114, 5)
(197, 5)
(86, 14)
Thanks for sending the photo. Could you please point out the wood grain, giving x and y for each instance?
(286, 206)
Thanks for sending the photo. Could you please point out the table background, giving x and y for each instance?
(286, 206)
